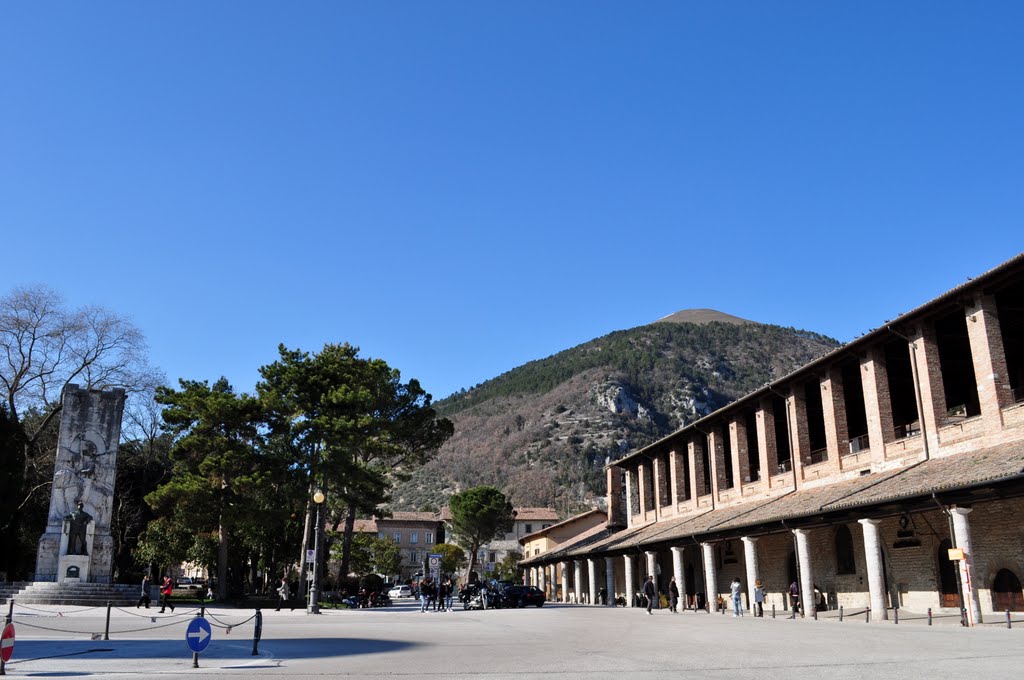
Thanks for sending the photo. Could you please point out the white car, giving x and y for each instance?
(400, 591)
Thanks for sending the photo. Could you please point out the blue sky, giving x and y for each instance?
(461, 187)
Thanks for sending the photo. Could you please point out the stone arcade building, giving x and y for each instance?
(854, 477)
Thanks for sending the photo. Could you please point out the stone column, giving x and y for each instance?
(837, 430)
(876, 575)
(962, 533)
(652, 564)
(750, 561)
(710, 578)
(565, 581)
(592, 580)
(677, 571)
(989, 356)
(877, 403)
(577, 580)
(543, 585)
(609, 579)
(630, 493)
(803, 554)
(533, 576)
(627, 561)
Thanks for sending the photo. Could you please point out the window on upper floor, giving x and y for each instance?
(545, 526)
(397, 536)
(529, 528)
(428, 537)
(414, 537)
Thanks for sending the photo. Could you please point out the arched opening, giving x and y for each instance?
(1006, 592)
(949, 593)
(845, 563)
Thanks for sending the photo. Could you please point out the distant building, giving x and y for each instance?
(556, 538)
(527, 521)
(416, 534)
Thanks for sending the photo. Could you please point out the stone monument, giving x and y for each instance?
(77, 546)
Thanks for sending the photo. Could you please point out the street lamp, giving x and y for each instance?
(314, 604)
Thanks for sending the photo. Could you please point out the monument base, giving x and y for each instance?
(73, 569)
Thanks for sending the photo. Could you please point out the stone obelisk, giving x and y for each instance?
(77, 545)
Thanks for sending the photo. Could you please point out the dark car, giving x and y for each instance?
(523, 596)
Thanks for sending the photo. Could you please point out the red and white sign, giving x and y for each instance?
(7, 643)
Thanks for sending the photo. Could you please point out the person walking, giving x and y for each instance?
(737, 597)
(794, 597)
(649, 593)
(166, 588)
(144, 598)
(449, 588)
(758, 598)
(424, 584)
(282, 593)
(673, 591)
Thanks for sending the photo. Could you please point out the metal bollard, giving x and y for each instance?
(840, 612)
(773, 610)
(963, 617)
(896, 616)
(929, 616)
(1009, 622)
(106, 629)
(867, 615)
(257, 633)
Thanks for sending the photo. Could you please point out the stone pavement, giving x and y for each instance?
(556, 641)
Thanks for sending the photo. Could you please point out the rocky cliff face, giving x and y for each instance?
(544, 431)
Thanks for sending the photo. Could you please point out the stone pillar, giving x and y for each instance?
(652, 565)
(803, 555)
(716, 447)
(750, 561)
(799, 433)
(543, 584)
(592, 579)
(877, 402)
(767, 448)
(962, 533)
(677, 571)
(710, 577)
(989, 356)
(676, 479)
(740, 454)
(533, 576)
(609, 579)
(565, 580)
(876, 574)
(577, 581)
(627, 561)
(928, 386)
(630, 496)
(695, 452)
(837, 431)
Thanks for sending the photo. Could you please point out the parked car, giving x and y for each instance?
(400, 591)
(523, 596)
(186, 583)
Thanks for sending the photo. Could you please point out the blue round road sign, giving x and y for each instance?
(198, 634)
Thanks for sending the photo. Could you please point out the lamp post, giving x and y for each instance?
(314, 604)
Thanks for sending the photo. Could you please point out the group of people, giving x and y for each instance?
(437, 595)
(650, 595)
(166, 588)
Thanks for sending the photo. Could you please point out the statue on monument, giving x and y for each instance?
(75, 524)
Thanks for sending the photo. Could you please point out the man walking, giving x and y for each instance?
(649, 593)
(673, 594)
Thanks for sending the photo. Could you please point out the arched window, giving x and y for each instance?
(845, 563)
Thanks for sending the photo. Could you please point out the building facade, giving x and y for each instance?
(415, 533)
(886, 474)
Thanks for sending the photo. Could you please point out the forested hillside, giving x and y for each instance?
(543, 432)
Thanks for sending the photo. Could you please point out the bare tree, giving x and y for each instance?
(45, 346)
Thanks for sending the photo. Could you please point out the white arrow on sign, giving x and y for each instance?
(202, 634)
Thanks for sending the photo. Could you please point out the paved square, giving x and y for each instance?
(556, 641)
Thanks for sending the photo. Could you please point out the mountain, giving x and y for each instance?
(543, 432)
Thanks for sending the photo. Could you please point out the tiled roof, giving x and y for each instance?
(365, 526)
(572, 519)
(572, 546)
(996, 464)
(536, 514)
(414, 516)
